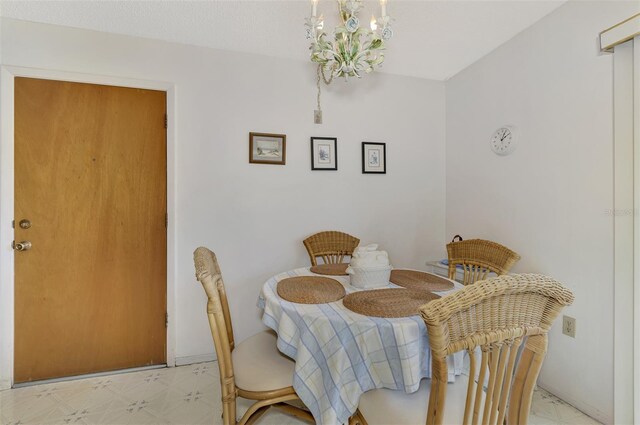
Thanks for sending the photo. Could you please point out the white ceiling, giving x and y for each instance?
(433, 39)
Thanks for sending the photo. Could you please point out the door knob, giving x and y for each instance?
(24, 224)
(21, 246)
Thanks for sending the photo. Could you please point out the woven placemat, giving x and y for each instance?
(310, 290)
(388, 302)
(420, 281)
(339, 269)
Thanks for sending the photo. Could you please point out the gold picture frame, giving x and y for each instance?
(267, 148)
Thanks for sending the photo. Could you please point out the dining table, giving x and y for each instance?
(340, 354)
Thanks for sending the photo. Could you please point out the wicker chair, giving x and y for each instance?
(331, 246)
(496, 315)
(478, 258)
(261, 372)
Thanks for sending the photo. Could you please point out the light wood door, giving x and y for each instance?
(90, 176)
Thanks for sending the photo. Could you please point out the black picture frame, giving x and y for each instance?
(321, 146)
(374, 158)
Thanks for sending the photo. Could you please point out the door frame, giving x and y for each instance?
(7, 78)
(626, 130)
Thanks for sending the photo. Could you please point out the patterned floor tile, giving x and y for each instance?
(33, 405)
(129, 416)
(538, 420)
(183, 395)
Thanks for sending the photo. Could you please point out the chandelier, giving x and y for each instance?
(353, 50)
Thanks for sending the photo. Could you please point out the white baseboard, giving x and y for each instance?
(181, 361)
(584, 408)
(5, 384)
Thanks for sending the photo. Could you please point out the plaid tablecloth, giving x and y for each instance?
(340, 354)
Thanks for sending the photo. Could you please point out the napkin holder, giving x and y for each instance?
(369, 277)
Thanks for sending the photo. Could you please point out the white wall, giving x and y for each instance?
(548, 200)
(256, 216)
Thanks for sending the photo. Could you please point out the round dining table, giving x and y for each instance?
(340, 354)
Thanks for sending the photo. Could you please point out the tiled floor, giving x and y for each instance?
(181, 395)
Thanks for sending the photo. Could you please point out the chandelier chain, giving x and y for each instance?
(323, 77)
(318, 84)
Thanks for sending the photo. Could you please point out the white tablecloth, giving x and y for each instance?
(340, 354)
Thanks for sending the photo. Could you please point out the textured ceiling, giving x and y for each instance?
(433, 39)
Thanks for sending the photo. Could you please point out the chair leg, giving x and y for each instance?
(229, 412)
(295, 411)
(357, 419)
(257, 415)
(262, 403)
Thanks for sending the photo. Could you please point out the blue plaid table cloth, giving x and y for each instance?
(340, 354)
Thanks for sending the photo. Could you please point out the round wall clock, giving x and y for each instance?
(504, 140)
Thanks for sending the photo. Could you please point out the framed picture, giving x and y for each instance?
(324, 154)
(374, 158)
(265, 148)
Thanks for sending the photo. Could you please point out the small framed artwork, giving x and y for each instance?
(374, 158)
(324, 153)
(265, 148)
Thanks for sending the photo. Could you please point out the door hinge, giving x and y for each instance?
(166, 320)
(166, 220)
(166, 121)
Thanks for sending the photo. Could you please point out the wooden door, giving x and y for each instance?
(90, 176)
